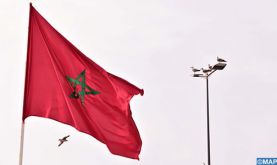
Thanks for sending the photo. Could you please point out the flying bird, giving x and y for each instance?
(194, 69)
(64, 139)
(220, 60)
(206, 70)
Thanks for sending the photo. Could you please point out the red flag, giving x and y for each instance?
(64, 85)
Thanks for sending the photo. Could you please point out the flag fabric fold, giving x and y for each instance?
(64, 85)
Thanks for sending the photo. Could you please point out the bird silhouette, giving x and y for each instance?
(206, 70)
(220, 60)
(64, 139)
(194, 69)
(197, 75)
(210, 66)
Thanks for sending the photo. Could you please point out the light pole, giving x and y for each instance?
(206, 73)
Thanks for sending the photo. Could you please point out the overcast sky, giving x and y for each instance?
(153, 44)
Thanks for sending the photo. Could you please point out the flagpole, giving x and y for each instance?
(21, 144)
(26, 69)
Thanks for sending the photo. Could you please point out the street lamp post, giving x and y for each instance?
(206, 74)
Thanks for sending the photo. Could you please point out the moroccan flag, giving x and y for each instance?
(64, 85)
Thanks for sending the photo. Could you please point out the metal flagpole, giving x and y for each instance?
(26, 69)
(21, 144)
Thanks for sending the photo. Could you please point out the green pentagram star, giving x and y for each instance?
(74, 82)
